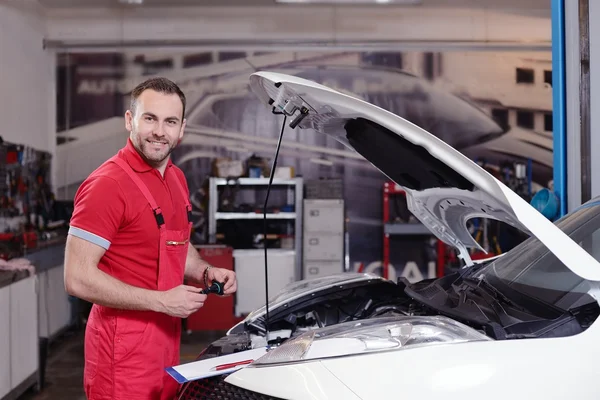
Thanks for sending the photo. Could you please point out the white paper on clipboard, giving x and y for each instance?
(206, 368)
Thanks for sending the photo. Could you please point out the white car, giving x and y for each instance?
(520, 326)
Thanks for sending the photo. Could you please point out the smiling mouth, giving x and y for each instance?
(156, 143)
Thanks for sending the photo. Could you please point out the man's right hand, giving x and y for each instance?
(181, 301)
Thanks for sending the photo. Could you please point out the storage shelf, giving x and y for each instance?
(254, 181)
(252, 215)
(406, 229)
(290, 189)
(261, 251)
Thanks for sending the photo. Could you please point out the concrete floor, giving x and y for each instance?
(64, 369)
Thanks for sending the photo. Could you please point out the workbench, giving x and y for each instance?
(54, 304)
(34, 309)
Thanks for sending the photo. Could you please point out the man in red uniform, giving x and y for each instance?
(128, 253)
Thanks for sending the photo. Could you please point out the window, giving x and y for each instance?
(157, 66)
(392, 60)
(525, 119)
(500, 115)
(428, 65)
(525, 75)
(432, 65)
(194, 60)
(548, 122)
(231, 55)
(548, 77)
(62, 140)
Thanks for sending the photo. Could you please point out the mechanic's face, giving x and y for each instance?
(157, 126)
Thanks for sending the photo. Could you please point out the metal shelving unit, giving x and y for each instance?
(294, 196)
(254, 215)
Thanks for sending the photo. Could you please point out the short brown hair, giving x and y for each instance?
(161, 85)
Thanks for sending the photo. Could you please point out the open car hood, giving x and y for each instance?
(444, 188)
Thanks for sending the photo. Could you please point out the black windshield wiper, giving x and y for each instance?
(484, 285)
(494, 300)
(441, 304)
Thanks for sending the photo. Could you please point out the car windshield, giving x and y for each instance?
(532, 270)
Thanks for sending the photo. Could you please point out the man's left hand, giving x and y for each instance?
(225, 276)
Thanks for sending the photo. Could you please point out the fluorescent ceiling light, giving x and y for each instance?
(350, 2)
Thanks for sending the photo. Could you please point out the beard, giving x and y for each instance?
(154, 153)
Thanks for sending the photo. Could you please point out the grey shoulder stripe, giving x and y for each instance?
(90, 237)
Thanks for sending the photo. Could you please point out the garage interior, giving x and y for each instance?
(505, 82)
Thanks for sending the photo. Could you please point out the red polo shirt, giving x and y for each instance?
(111, 212)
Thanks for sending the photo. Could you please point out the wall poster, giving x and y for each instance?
(494, 107)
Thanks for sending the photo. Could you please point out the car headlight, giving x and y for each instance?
(368, 336)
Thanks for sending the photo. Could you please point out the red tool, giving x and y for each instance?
(231, 365)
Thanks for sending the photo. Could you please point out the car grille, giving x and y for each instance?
(215, 388)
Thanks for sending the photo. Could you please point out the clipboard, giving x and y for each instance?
(214, 366)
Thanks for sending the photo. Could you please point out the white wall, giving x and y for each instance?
(27, 101)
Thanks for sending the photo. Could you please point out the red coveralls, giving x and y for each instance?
(126, 351)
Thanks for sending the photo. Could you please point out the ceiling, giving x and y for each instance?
(494, 4)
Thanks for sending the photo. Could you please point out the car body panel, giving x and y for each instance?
(496, 370)
(303, 382)
(479, 194)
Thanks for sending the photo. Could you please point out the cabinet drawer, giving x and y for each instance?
(5, 368)
(317, 269)
(323, 246)
(324, 216)
(24, 330)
